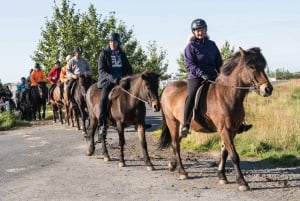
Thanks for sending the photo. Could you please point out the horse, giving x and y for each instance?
(25, 105)
(56, 104)
(127, 107)
(39, 96)
(221, 109)
(78, 99)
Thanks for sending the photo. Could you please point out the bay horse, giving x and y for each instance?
(221, 111)
(56, 104)
(79, 100)
(127, 108)
(39, 96)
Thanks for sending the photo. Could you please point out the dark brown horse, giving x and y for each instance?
(221, 111)
(78, 102)
(127, 108)
(39, 96)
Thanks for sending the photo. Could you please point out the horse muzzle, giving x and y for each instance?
(155, 105)
(265, 90)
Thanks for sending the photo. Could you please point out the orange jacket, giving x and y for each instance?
(37, 76)
(63, 74)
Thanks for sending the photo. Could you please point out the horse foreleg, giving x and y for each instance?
(143, 141)
(221, 167)
(176, 149)
(90, 138)
(120, 129)
(229, 145)
(44, 111)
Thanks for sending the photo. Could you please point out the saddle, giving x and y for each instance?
(200, 101)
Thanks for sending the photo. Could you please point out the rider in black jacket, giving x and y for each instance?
(112, 66)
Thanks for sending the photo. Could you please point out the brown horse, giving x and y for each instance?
(221, 111)
(127, 108)
(56, 104)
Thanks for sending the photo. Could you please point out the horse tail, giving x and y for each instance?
(165, 138)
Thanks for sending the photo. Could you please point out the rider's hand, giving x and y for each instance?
(205, 77)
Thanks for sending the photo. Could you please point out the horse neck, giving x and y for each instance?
(229, 88)
(135, 91)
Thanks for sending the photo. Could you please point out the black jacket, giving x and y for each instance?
(105, 68)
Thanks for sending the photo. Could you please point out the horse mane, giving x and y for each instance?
(251, 56)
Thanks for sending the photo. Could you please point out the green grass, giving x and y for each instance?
(8, 120)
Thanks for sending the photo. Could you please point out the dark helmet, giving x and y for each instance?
(78, 49)
(23, 78)
(198, 24)
(57, 62)
(37, 65)
(115, 36)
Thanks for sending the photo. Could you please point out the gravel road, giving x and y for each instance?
(48, 162)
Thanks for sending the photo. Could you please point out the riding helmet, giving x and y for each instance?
(198, 24)
(37, 65)
(57, 62)
(78, 49)
(115, 36)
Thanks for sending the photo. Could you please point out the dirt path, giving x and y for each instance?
(48, 163)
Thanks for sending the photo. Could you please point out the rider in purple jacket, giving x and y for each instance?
(203, 61)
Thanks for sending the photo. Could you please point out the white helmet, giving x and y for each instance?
(68, 58)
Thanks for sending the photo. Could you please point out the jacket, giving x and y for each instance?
(202, 57)
(37, 76)
(53, 75)
(105, 68)
(77, 67)
(63, 74)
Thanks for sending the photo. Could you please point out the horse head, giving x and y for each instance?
(84, 81)
(150, 87)
(249, 66)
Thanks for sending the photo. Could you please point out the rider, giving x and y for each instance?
(112, 66)
(37, 76)
(203, 61)
(75, 67)
(53, 77)
(20, 88)
(63, 77)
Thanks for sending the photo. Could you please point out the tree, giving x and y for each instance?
(182, 70)
(226, 51)
(67, 29)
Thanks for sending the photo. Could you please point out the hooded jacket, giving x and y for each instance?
(202, 56)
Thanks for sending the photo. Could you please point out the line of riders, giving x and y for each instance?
(64, 77)
(113, 65)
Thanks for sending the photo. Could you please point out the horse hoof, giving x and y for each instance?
(89, 153)
(84, 133)
(121, 164)
(171, 167)
(106, 158)
(244, 188)
(183, 176)
(223, 181)
(150, 168)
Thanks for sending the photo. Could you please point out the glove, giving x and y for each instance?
(53, 78)
(205, 77)
(74, 76)
(116, 81)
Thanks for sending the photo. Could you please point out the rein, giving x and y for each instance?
(133, 95)
(236, 87)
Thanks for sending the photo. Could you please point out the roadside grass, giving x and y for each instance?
(275, 136)
(10, 120)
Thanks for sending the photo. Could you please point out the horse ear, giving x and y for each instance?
(242, 51)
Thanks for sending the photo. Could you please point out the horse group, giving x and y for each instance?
(221, 109)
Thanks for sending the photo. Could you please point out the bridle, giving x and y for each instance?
(144, 101)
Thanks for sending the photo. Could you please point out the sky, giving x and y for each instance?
(272, 25)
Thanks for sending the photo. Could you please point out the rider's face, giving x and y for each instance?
(113, 45)
(200, 33)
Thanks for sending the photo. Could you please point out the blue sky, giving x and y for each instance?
(272, 25)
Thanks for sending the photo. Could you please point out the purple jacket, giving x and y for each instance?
(202, 57)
